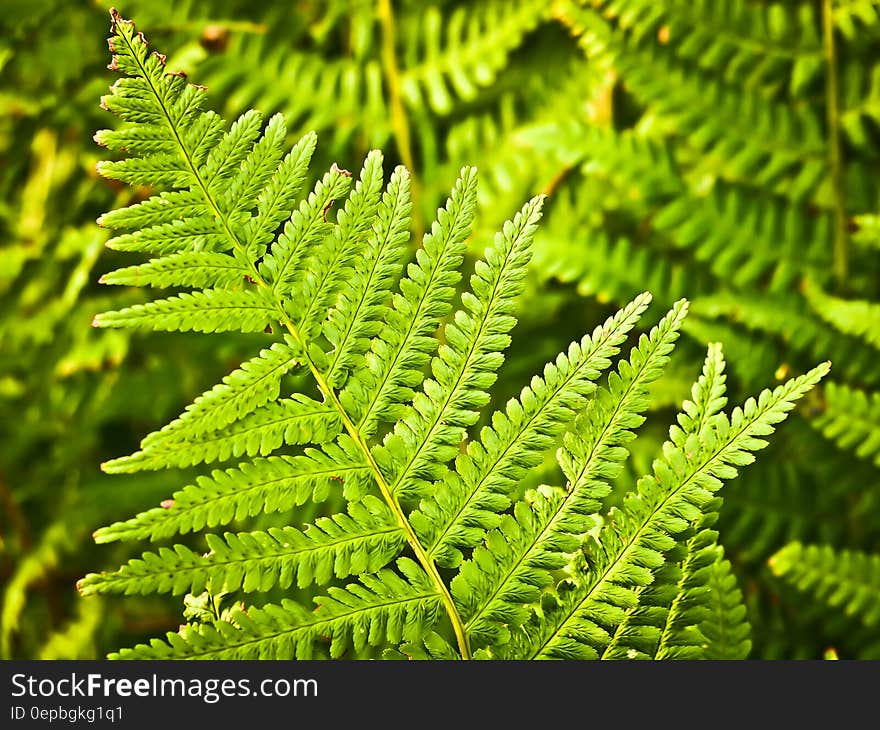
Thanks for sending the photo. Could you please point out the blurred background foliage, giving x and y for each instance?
(722, 150)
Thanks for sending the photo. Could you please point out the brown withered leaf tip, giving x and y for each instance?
(116, 19)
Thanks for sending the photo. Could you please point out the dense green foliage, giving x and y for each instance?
(370, 427)
(718, 151)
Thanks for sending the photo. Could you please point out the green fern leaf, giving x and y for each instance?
(360, 310)
(384, 607)
(844, 579)
(429, 433)
(476, 47)
(592, 453)
(276, 201)
(394, 383)
(255, 383)
(725, 624)
(468, 501)
(851, 419)
(404, 345)
(197, 269)
(858, 318)
(281, 267)
(210, 310)
(631, 548)
(294, 420)
(663, 623)
(274, 484)
(332, 264)
(363, 541)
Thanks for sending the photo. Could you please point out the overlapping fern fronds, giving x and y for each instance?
(355, 399)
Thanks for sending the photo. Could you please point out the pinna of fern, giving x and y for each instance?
(846, 581)
(549, 573)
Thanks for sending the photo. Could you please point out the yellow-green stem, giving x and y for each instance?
(413, 540)
(399, 118)
(832, 105)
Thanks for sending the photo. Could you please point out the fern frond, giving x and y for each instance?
(196, 269)
(210, 310)
(789, 319)
(362, 541)
(592, 453)
(850, 16)
(361, 309)
(294, 420)
(758, 45)
(603, 263)
(740, 133)
(283, 266)
(273, 484)
(631, 546)
(76, 640)
(662, 623)
(668, 609)
(731, 227)
(593, 446)
(187, 234)
(383, 608)
(404, 345)
(496, 586)
(469, 500)
(858, 318)
(725, 624)
(332, 264)
(255, 383)
(276, 202)
(851, 419)
(706, 618)
(844, 579)
(393, 383)
(462, 52)
(165, 207)
(708, 397)
(430, 433)
(310, 77)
